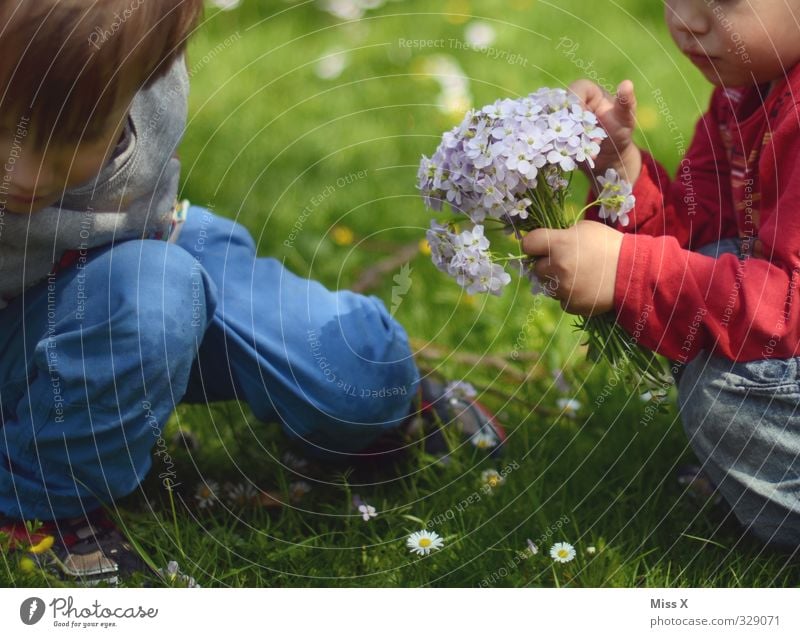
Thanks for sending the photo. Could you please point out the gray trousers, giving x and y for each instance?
(743, 422)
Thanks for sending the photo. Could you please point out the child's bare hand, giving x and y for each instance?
(617, 115)
(579, 265)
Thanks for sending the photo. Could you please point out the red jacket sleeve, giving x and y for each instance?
(678, 302)
(695, 207)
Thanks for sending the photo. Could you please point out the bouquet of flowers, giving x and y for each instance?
(510, 164)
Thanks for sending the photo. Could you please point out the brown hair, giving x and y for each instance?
(67, 65)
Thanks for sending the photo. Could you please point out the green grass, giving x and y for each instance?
(265, 137)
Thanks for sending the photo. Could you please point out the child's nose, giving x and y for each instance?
(687, 16)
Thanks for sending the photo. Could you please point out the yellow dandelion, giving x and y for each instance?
(425, 247)
(647, 117)
(342, 235)
(457, 11)
(45, 544)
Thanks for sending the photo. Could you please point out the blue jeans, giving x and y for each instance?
(743, 422)
(95, 359)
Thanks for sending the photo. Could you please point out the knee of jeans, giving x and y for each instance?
(364, 380)
(369, 331)
(203, 228)
(163, 288)
(376, 360)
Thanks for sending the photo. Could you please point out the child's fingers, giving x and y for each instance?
(625, 104)
(537, 242)
(589, 93)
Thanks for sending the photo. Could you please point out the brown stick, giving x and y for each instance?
(500, 362)
(372, 276)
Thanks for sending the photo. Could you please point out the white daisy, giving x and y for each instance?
(656, 396)
(480, 35)
(367, 511)
(331, 65)
(174, 576)
(298, 489)
(460, 390)
(569, 406)
(423, 542)
(241, 494)
(483, 440)
(492, 479)
(206, 494)
(562, 552)
(295, 462)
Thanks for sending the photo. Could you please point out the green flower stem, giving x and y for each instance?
(605, 338)
(510, 257)
(596, 202)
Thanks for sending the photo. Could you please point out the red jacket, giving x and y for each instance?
(740, 177)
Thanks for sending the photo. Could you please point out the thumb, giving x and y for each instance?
(625, 104)
(537, 243)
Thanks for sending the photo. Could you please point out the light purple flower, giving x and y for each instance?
(491, 278)
(367, 512)
(488, 168)
(616, 198)
(443, 245)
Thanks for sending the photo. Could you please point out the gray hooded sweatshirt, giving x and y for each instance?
(133, 196)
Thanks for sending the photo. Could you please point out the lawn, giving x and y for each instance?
(308, 129)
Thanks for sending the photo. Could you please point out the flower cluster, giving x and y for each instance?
(509, 165)
(466, 258)
(510, 162)
(487, 165)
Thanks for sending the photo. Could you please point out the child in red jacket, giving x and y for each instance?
(706, 272)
